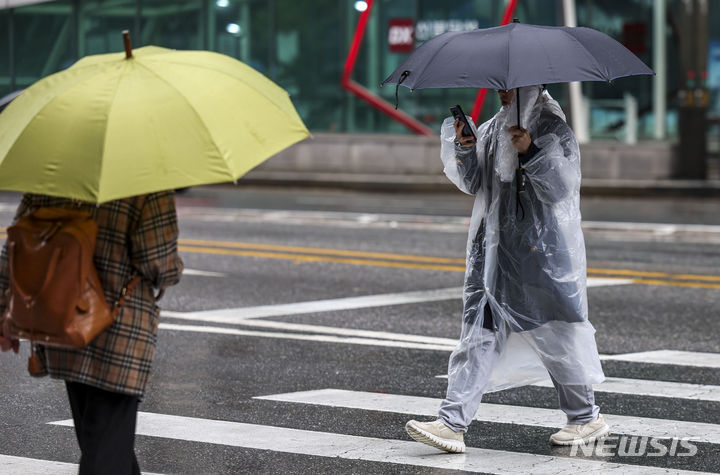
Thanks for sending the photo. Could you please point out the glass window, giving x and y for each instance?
(303, 45)
(6, 77)
(172, 24)
(43, 39)
(308, 52)
(101, 23)
(243, 30)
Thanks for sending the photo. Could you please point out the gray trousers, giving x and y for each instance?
(469, 372)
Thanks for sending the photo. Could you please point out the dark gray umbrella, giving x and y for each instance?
(516, 55)
(6, 100)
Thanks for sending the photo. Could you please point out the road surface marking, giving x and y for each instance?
(309, 258)
(647, 387)
(637, 273)
(306, 337)
(605, 282)
(236, 315)
(202, 273)
(421, 342)
(669, 357)
(321, 251)
(500, 413)
(297, 258)
(408, 261)
(696, 285)
(232, 315)
(350, 447)
(23, 466)
(325, 330)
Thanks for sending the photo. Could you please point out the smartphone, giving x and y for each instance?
(458, 113)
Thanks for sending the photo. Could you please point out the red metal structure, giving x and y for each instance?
(372, 99)
(377, 102)
(480, 98)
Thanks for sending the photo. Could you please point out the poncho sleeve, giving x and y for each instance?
(554, 170)
(464, 164)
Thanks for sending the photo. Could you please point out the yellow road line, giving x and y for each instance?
(674, 283)
(667, 275)
(710, 278)
(408, 261)
(309, 258)
(323, 251)
(415, 258)
(669, 282)
(627, 272)
(406, 265)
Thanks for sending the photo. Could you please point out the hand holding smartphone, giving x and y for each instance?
(458, 114)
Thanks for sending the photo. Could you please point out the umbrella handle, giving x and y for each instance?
(517, 101)
(404, 76)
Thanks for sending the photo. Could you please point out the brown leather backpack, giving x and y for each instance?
(55, 297)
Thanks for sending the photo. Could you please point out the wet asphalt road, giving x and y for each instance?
(251, 247)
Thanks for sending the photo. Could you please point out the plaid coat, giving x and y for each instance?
(136, 236)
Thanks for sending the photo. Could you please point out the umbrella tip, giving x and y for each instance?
(126, 41)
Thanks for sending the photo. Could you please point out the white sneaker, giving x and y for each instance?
(436, 434)
(577, 434)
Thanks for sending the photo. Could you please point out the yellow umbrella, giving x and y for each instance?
(118, 125)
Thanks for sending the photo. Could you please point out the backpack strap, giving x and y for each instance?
(126, 291)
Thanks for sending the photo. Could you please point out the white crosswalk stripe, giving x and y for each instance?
(238, 315)
(500, 413)
(669, 357)
(645, 387)
(22, 466)
(648, 387)
(28, 466)
(325, 444)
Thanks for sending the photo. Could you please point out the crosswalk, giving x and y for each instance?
(325, 442)
(499, 413)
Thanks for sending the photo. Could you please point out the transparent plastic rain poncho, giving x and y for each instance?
(526, 259)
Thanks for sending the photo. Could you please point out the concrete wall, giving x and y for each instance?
(419, 156)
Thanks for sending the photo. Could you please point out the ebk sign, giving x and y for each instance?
(401, 35)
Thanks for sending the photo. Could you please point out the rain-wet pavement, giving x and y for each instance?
(292, 265)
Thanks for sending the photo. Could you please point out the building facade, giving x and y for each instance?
(303, 46)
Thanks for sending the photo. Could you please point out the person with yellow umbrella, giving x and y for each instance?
(110, 136)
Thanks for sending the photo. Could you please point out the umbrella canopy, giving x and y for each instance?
(516, 55)
(117, 125)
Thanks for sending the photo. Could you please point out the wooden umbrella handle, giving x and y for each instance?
(128, 47)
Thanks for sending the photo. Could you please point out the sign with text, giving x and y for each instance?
(426, 29)
(401, 35)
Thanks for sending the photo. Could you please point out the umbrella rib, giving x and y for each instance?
(592, 56)
(235, 78)
(105, 131)
(232, 177)
(427, 63)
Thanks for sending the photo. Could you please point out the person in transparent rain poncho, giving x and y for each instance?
(525, 302)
